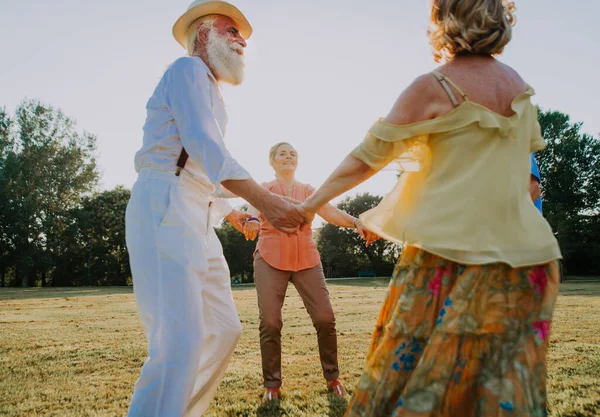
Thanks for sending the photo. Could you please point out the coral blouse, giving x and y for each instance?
(288, 252)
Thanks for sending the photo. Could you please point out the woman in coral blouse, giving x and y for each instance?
(281, 258)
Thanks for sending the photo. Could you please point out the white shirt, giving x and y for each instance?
(187, 110)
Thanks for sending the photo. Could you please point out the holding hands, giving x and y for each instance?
(337, 217)
(304, 216)
(251, 228)
(307, 215)
(282, 214)
(365, 233)
(238, 219)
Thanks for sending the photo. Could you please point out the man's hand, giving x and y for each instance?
(237, 219)
(251, 230)
(307, 215)
(534, 188)
(282, 215)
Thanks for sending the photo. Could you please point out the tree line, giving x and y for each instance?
(58, 229)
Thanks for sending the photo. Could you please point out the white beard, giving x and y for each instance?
(224, 60)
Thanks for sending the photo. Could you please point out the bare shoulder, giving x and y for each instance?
(418, 102)
(518, 82)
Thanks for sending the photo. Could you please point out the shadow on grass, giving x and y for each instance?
(337, 405)
(582, 278)
(571, 286)
(271, 409)
(348, 282)
(360, 282)
(61, 292)
(580, 288)
(337, 408)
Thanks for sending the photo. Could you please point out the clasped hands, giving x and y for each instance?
(289, 216)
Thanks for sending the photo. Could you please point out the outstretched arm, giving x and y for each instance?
(337, 217)
(350, 173)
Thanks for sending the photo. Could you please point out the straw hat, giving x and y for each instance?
(200, 8)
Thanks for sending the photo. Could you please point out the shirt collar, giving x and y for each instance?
(205, 67)
(211, 76)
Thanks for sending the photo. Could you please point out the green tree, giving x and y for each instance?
(5, 212)
(343, 251)
(47, 167)
(237, 250)
(570, 170)
(92, 250)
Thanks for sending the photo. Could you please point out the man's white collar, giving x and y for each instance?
(208, 71)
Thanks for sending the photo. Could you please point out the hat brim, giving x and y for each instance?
(182, 25)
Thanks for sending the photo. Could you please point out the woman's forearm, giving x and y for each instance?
(350, 173)
(335, 216)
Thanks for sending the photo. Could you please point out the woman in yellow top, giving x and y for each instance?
(464, 327)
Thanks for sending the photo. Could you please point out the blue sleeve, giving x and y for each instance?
(536, 173)
(534, 168)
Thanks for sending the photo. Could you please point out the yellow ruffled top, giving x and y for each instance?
(464, 190)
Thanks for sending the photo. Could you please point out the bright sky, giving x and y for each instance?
(319, 72)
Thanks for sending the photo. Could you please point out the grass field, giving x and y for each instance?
(77, 352)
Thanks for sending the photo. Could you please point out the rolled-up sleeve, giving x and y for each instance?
(189, 101)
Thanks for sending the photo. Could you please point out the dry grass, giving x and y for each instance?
(77, 352)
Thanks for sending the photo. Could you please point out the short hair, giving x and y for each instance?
(192, 32)
(470, 27)
(273, 150)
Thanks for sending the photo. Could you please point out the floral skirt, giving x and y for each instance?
(458, 340)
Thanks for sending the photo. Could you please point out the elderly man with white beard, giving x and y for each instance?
(181, 279)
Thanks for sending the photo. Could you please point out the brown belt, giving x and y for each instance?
(183, 157)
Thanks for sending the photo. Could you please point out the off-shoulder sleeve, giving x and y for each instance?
(375, 152)
(537, 141)
(387, 142)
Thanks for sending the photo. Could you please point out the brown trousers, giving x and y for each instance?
(271, 286)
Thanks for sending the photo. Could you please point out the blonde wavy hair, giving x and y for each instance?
(470, 27)
(273, 150)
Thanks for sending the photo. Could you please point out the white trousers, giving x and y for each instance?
(182, 289)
